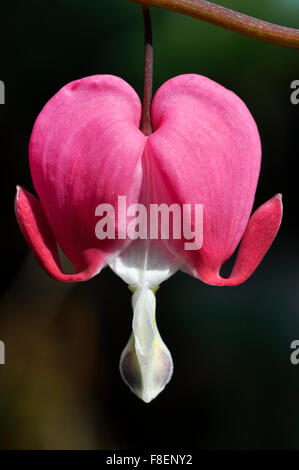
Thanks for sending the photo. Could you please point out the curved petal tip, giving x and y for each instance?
(39, 236)
(257, 239)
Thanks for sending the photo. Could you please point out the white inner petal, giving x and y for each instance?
(145, 262)
(146, 364)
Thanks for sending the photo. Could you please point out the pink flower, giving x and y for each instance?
(86, 149)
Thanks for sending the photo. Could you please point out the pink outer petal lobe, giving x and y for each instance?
(205, 149)
(85, 150)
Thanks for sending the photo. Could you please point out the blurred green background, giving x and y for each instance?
(233, 385)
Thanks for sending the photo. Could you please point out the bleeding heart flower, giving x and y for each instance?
(86, 149)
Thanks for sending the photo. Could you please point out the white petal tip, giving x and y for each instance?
(147, 382)
(146, 364)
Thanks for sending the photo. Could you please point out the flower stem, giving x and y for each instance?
(146, 125)
(231, 20)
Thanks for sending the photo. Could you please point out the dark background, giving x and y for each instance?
(233, 385)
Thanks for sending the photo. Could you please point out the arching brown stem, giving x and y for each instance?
(231, 20)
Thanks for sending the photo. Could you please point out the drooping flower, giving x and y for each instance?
(86, 149)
